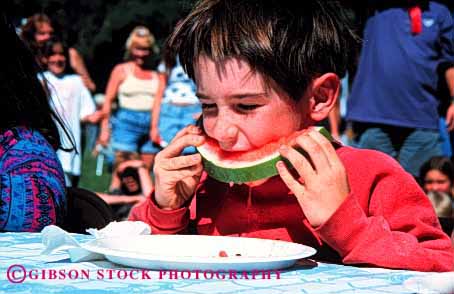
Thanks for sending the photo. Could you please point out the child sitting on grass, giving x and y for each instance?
(264, 70)
(135, 186)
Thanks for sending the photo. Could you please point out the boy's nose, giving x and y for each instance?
(226, 135)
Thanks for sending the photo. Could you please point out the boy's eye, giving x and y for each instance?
(248, 106)
(208, 106)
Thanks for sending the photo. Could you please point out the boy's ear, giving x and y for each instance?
(324, 93)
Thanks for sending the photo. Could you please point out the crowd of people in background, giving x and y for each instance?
(142, 109)
(391, 103)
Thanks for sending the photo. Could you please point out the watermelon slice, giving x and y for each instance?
(247, 166)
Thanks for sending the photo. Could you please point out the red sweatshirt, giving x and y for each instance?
(385, 221)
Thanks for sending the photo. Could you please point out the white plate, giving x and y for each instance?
(431, 283)
(195, 252)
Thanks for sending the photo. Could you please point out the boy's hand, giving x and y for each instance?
(176, 177)
(323, 185)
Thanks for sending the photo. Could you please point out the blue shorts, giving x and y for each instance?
(173, 118)
(131, 132)
(411, 147)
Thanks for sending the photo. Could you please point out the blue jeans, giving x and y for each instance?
(91, 134)
(173, 118)
(411, 147)
(131, 132)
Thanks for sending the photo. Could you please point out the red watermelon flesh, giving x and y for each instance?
(245, 166)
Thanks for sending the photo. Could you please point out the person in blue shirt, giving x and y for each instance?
(393, 102)
(179, 107)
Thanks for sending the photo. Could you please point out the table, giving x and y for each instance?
(21, 251)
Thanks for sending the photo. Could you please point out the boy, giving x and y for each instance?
(265, 69)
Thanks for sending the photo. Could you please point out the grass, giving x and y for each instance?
(89, 180)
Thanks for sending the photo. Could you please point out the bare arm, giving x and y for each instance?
(93, 118)
(449, 76)
(78, 65)
(156, 109)
(116, 78)
(120, 199)
(145, 181)
(158, 99)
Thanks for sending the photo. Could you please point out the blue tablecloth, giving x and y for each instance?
(20, 252)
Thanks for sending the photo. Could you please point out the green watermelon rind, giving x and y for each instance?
(242, 174)
(251, 173)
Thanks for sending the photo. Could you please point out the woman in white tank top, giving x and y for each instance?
(136, 88)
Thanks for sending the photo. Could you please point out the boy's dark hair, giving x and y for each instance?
(440, 163)
(288, 41)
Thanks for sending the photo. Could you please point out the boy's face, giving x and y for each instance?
(240, 111)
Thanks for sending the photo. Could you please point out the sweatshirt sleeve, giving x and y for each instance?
(396, 227)
(32, 187)
(161, 221)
